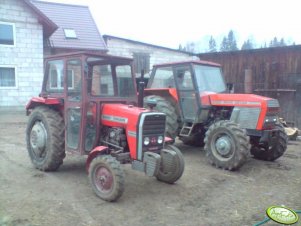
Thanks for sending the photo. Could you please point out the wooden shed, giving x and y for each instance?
(273, 72)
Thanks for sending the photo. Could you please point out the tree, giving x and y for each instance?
(247, 45)
(276, 43)
(229, 42)
(224, 45)
(232, 41)
(190, 47)
(212, 45)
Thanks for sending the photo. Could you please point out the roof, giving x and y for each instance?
(76, 17)
(108, 37)
(201, 62)
(252, 51)
(48, 25)
(91, 54)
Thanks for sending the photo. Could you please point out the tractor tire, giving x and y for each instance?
(173, 175)
(275, 151)
(165, 106)
(45, 138)
(106, 178)
(226, 145)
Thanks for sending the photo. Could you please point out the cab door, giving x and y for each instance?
(187, 93)
(73, 105)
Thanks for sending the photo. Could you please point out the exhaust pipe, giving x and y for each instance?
(141, 90)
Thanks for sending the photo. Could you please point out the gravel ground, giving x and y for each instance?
(203, 196)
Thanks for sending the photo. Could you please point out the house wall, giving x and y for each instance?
(26, 56)
(157, 55)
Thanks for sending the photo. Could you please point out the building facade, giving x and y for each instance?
(145, 55)
(21, 53)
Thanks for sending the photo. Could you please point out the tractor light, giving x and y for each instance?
(160, 140)
(146, 141)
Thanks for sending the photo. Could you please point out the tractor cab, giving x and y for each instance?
(188, 83)
(84, 82)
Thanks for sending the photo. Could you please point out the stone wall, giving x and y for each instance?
(26, 56)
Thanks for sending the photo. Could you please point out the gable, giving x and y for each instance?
(75, 19)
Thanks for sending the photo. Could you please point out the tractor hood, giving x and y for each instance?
(120, 115)
(239, 100)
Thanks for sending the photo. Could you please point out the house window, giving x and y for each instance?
(141, 62)
(7, 77)
(7, 34)
(70, 33)
(57, 80)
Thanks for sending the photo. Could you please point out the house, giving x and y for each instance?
(145, 55)
(30, 30)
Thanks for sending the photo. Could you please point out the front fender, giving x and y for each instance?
(99, 150)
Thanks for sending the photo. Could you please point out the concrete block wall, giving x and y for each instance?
(158, 55)
(26, 56)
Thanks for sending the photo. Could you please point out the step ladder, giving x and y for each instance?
(186, 129)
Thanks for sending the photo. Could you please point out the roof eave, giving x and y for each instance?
(49, 25)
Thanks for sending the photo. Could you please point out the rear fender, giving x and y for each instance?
(99, 150)
(171, 92)
(37, 101)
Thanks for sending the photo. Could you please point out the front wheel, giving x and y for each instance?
(226, 145)
(273, 152)
(106, 178)
(172, 165)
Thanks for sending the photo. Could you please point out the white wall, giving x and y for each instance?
(157, 55)
(26, 56)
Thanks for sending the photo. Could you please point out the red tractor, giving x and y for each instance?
(88, 106)
(201, 111)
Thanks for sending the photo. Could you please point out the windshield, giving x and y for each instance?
(209, 79)
(112, 81)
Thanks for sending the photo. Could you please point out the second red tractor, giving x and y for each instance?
(201, 111)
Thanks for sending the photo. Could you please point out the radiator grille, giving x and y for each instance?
(247, 118)
(273, 103)
(154, 124)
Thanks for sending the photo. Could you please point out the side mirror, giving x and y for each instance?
(230, 87)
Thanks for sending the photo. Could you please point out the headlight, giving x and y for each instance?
(160, 140)
(146, 141)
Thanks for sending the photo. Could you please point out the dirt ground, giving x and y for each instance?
(203, 196)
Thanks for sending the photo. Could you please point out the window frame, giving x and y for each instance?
(66, 32)
(16, 77)
(59, 81)
(14, 34)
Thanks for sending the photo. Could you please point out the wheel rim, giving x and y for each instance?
(223, 146)
(38, 137)
(103, 179)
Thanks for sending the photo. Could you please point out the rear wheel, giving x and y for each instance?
(273, 152)
(45, 138)
(106, 178)
(169, 171)
(163, 105)
(226, 145)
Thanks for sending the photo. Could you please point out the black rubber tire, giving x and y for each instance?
(165, 106)
(171, 177)
(113, 166)
(197, 139)
(54, 151)
(275, 151)
(239, 140)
